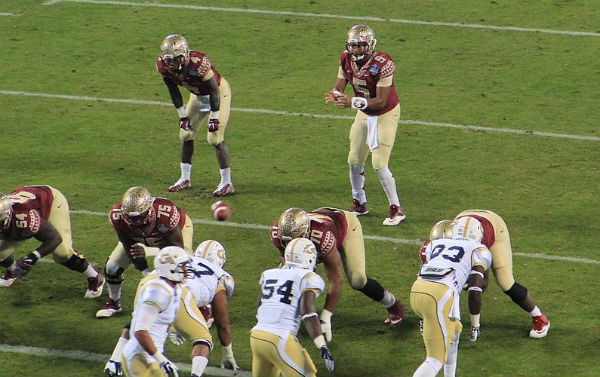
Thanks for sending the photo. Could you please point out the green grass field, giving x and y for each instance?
(526, 78)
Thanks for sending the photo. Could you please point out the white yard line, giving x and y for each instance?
(7, 14)
(297, 114)
(99, 357)
(334, 16)
(366, 236)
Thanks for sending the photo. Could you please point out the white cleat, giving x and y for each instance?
(395, 217)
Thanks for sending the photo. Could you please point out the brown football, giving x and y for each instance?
(221, 210)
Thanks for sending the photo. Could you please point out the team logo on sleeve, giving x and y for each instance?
(374, 70)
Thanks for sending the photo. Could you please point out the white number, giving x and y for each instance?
(164, 210)
(21, 197)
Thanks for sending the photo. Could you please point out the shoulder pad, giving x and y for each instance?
(157, 293)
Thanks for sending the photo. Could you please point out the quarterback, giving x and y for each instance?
(288, 298)
(435, 295)
(41, 212)
(338, 237)
(209, 94)
(371, 75)
(143, 224)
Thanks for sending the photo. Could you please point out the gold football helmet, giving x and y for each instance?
(360, 35)
(293, 223)
(5, 212)
(174, 53)
(136, 206)
(441, 229)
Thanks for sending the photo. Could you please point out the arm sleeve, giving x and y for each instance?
(145, 316)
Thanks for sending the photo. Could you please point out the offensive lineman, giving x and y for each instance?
(287, 298)
(435, 295)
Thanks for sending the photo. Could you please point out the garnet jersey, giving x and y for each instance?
(364, 79)
(30, 205)
(327, 229)
(198, 67)
(164, 216)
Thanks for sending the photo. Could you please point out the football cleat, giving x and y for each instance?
(181, 184)
(95, 286)
(8, 279)
(395, 217)
(109, 309)
(224, 190)
(541, 325)
(357, 208)
(396, 314)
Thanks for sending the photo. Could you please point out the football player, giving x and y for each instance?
(210, 95)
(435, 295)
(41, 212)
(157, 306)
(371, 75)
(287, 298)
(338, 237)
(143, 224)
(496, 238)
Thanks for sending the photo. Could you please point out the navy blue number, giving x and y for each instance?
(284, 290)
(202, 269)
(436, 251)
(456, 257)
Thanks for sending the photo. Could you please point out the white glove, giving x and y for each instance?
(326, 324)
(166, 365)
(327, 359)
(475, 333)
(228, 361)
(176, 338)
(113, 369)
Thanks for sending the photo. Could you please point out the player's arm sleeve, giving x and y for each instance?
(226, 283)
(482, 257)
(312, 282)
(174, 92)
(386, 81)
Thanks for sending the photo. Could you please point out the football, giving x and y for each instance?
(221, 210)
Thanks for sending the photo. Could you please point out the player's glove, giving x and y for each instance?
(475, 333)
(228, 361)
(213, 124)
(327, 359)
(24, 264)
(166, 365)
(113, 369)
(326, 324)
(185, 124)
(176, 338)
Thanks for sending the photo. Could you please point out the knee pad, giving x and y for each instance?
(517, 293)
(373, 289)
(77, 262)
(113, 273)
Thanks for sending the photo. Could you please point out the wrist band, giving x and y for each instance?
(359, 103)
(319, 341)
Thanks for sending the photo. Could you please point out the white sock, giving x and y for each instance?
(186, 171)
(535, 312)
(450, 366)
(90, 272)
(475, 320)
(225, 176)
(388, 300)
(357, 181)
(198, 365)
(118, 351)
(114, 291)
(428, 368)
(389, 185)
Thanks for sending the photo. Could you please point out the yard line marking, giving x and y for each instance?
(7, 14)
(336, 16)
(365, 236)
(100, 357)
(319, 116)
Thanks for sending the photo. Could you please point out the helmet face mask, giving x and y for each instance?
(137, 206)
(174, 53)
(5, 212)
(293, 223)
(360, 42)
(212, 251)
(301, 253)
(467, 227)
(172, 262)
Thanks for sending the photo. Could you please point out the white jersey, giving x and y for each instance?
(449, 262)
(156, 291)
(280, 299)
(208, 279)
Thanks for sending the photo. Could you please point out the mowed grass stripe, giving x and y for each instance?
(335, 16)
(321, 116)
(99, 357)
(366, 236)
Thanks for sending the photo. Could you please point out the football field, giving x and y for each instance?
(499, 111)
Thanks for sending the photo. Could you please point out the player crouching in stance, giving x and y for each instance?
(435, 295)
(288, 296)
(41, 212)
(157, 306)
